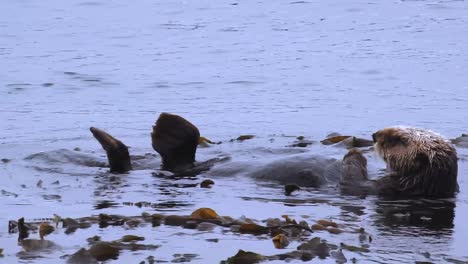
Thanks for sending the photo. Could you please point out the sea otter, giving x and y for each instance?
(422, 162)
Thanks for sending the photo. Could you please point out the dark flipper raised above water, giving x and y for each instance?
(117, 152)
(176, 140)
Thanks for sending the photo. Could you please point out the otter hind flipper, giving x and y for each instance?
(117, 152)
(176, 140)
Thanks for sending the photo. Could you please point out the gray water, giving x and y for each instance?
(275, 69)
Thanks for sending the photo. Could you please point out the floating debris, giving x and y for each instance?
(181, 258)
(354, 248)
(204, 213)
(253, 229)
(82, 256)
(339, 256)
(204, 142)
(318, 227)
(316, 246)
(131, 238)
(333, 140)
(103, 251)
(45, 229)
(243, 137)
(280, 241)
(30, 245)
(334, 230)
(347, 141)
(244, 257)
(327, 223)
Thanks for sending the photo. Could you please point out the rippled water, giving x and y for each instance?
(269, 68)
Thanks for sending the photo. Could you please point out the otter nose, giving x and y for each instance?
(374, 137)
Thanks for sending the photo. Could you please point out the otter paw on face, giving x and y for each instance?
(424, 162)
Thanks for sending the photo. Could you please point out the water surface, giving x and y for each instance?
(275, 69)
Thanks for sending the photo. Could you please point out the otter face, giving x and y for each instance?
(389, 139)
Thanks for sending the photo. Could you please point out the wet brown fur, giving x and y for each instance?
(117, 152)
(422, 162)
(354, 178)
(176, 140)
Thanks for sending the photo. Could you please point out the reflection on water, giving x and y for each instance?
(432, 215)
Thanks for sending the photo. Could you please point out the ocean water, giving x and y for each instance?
(274, 69)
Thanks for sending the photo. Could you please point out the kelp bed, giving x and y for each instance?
(280, 230)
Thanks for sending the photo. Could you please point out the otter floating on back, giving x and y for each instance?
(422, 162)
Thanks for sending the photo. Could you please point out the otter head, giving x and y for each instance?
(390, 140)
(424, 161)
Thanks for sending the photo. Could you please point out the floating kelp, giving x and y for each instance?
(305, 252)
(334, 230)
(301, 142)
(243, 137)
(318, 247)
(72, 225)
(182, 258)
(244, 257)
(327, 223)
(280, 241)
(204, 213)
(30, 245)
(82, 256)
(333, 140)
(103, 251)
(204, 142)
(339, 256)
(354, 248)
(347, 141)
(45, 229)
(281, 232)
(176, 220)
(255, 229)
(318, 227)
(131, 238)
